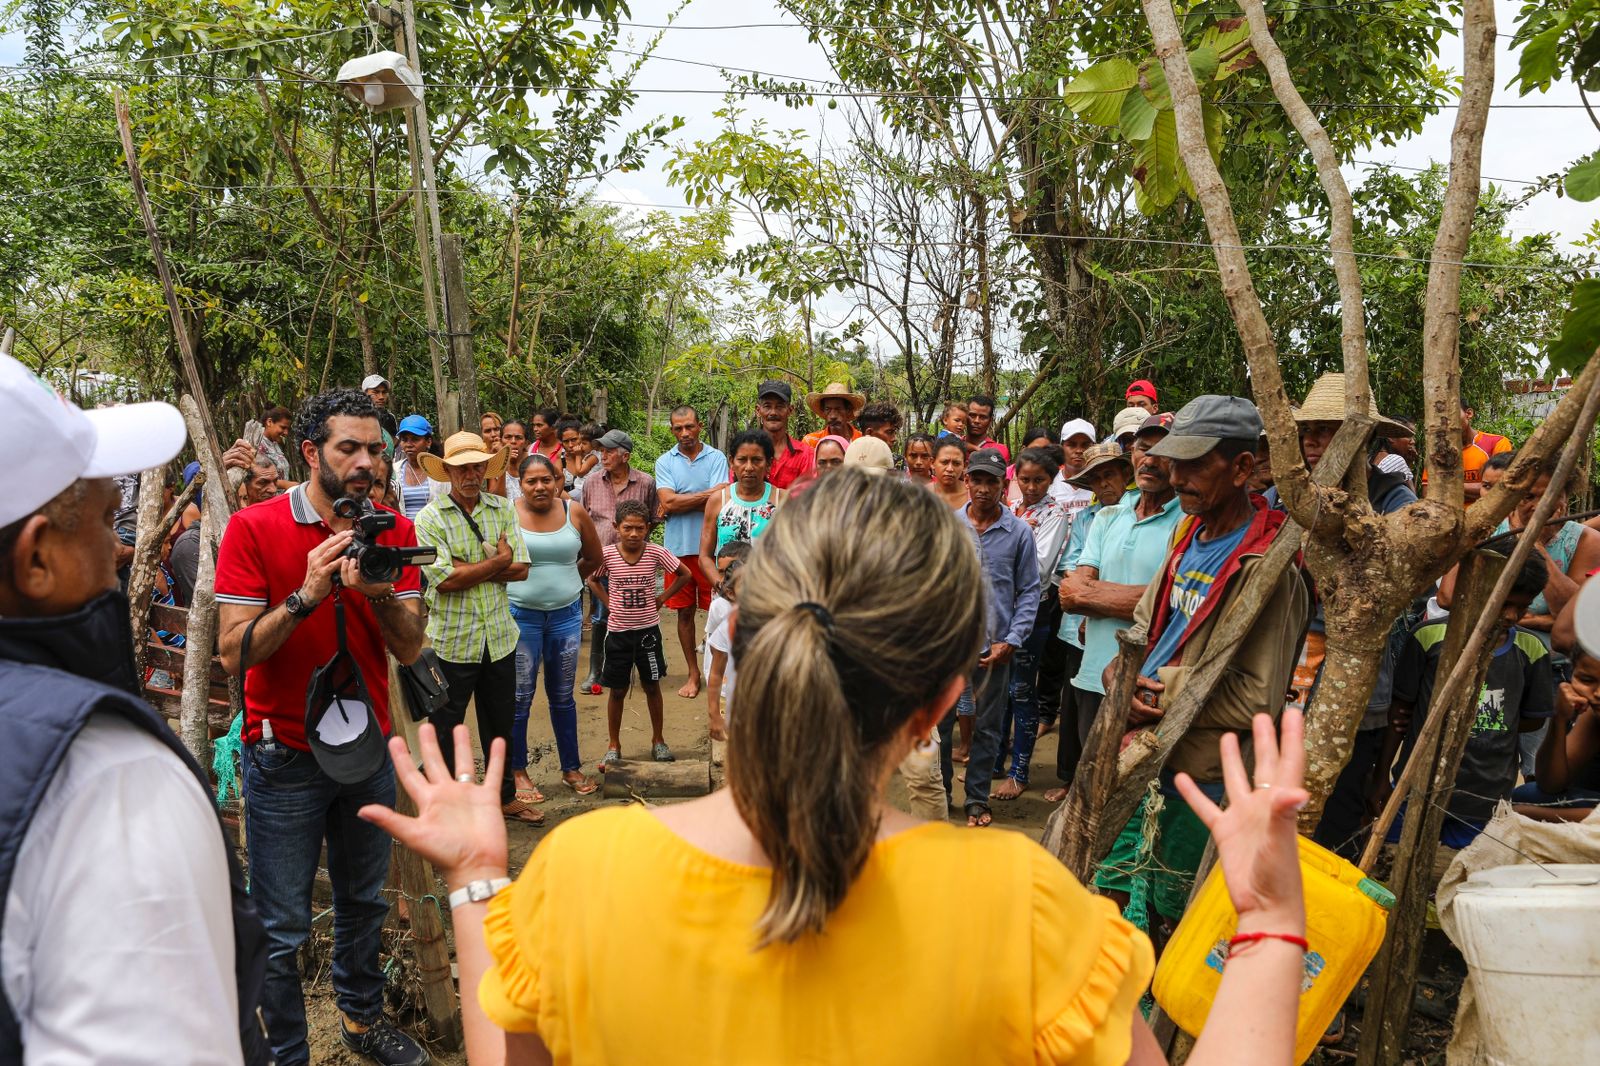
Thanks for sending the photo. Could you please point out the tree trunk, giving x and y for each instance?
(199, 643)
(459, 317)
(146, 558)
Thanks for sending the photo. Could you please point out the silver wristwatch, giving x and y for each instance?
(477, 891)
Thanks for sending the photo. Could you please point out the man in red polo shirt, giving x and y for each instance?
(280, 564)
(790, 458)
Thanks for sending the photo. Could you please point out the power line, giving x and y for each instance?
(840, 94)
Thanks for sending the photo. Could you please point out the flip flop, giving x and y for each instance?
(980, 816)
(519, 811)
(530, 795)
(582, 787)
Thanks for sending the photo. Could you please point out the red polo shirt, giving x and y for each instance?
(261, 561)
(790, 464)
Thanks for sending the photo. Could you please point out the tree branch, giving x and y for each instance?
(1260, 350)
(1341, 236)
(1441, 316)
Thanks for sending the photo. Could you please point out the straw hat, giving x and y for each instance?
(1325, 403)
(836, 390)
(464, 449)
(1097, 456)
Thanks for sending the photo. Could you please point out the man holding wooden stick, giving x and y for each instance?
(1211, 449)
(118, 940)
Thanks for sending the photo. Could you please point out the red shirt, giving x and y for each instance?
(790, 464)
(261, 561)
(631, 587)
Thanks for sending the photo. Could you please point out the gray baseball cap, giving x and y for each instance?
(615, 438)
(1206, 421)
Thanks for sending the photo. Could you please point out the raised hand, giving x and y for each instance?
(458, 826)
(1256, 838)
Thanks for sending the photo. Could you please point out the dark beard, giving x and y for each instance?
(333, 488)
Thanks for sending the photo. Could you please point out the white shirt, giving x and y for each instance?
(719, 637)
(1072, 498)
(118, 939)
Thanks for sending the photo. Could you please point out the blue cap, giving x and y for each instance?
(190, 471)
(415, 425)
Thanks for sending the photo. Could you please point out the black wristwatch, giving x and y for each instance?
(297, 607)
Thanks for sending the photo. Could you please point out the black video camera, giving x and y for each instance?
(378, 563)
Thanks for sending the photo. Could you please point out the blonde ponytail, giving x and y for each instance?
(861, 601)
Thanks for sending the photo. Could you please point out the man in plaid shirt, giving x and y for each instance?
(480, 549)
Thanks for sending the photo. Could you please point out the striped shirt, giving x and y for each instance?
(631, 591)
(466, 624)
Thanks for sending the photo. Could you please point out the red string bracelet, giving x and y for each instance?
(1250, 938)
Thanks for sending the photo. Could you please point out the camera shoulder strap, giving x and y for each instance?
(338, 620)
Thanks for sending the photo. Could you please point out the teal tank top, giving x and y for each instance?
(743, 519)
(552, 582)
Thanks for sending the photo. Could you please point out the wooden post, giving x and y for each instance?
(1394, 972)
(458, 314)
(180, 332)
(217, 501)
(598, 406)
(426, 257)
(420, 888)
(651, 780)
(200, 641)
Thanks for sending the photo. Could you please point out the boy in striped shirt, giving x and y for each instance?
(633, 607)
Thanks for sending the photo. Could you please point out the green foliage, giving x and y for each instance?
(1580, 328)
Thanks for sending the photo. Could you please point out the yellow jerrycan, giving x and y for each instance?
(1346, 912)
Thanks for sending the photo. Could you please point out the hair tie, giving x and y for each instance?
(820, 613)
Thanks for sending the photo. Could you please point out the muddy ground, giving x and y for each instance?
(685, 731)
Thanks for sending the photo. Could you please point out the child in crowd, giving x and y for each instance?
(1518, 696)
(633, 639)
(954, 421)
(719, 666)
(578, 444)
(919, 458)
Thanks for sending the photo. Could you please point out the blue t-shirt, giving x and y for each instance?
(1201, 562)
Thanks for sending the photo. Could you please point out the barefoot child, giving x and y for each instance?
(719, 636)
(634, 609)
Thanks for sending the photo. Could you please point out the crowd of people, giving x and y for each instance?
(934, 607)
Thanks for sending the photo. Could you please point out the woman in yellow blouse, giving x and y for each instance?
(795, 917)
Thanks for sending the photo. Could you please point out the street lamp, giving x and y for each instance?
(382, 81)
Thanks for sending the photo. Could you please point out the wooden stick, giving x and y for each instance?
(1394, 971)
(180, 332)
(420, 888)
(1447, 694)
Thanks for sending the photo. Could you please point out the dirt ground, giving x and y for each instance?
(686, 733)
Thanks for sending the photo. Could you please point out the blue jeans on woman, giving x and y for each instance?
(553, 638)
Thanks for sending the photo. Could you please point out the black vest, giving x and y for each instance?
(54, 674)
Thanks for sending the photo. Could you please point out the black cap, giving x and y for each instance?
(987, 461)
(1205, 422)
(780, 389)
(342, 730)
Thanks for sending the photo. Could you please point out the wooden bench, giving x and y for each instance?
(159, 656)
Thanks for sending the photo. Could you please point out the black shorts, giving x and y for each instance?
(630, 648)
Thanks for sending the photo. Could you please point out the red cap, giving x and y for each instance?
(1141, 388)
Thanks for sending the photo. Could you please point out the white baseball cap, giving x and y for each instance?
(372, 381)
(1075, 426)
(65, 443)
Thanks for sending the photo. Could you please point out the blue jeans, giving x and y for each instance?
(553, 638)
(290, 806)
(1022, 706)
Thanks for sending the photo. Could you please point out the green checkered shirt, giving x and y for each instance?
(462, 624)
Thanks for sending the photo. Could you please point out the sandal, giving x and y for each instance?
(662, 753)
(611, 758)
(583, 786)
(518, 811)
(979, 816)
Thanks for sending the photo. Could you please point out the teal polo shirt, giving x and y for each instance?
(676, 471)
(1126, 550)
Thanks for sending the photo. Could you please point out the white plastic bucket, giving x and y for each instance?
(1531, 937)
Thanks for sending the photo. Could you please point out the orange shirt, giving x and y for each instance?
(811, 440)
(1476, 454)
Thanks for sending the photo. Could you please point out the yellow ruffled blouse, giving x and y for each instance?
(622, 943)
